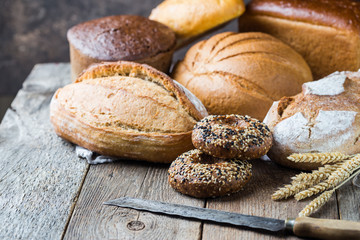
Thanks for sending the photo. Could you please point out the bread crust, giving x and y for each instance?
(232, 136)
(307, 26)
(126, 110)
(312, 122)
(242, 73)
(199, 175)
(122, 37)
(191, 18)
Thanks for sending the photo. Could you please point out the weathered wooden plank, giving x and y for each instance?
(255, 199)
(348, 197)
(40, 174)
(93, 220)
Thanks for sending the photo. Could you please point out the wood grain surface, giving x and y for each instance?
(40, 174)
(46, 192)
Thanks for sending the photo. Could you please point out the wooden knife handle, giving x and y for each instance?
(325, 228)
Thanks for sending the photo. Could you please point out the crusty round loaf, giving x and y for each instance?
(199, 175)
(189, 18)
(127, 110)
(324, 117)
(242, 73)
(123, 37)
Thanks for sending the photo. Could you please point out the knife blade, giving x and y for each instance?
(301, 226)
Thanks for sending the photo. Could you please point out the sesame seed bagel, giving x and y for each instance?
(199, 175)
(232, 136)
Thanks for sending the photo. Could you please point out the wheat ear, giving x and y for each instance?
(338, 176)
(317, 203)
(303, 181)
(323, 158)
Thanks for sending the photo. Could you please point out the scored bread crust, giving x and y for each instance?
(312, 123)
(307, 26)
(134, 140)
(234, 73)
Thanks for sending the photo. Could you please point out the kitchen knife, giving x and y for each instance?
(301, 226)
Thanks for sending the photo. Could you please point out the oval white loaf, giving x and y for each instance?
(242, 74)
(127, 110)
(324, 117)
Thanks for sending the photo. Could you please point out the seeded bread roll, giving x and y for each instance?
(324, 117)
(199, 175)
(232, 136)
(124, 37)
(127, 110)
(189, 18)
(242, 74)
(325, 32)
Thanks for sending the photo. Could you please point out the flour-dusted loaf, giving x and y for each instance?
(122, 37)
(325, 32)
(127, 110)
(324, 117)
(189, 18)
(234, 73)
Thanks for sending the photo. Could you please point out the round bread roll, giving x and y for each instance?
(324, 117)
(199, 175)
(232, 136)
(127, 110)
(124, 37)
(242, 73)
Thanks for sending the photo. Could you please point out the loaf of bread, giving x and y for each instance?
(127, 110)
(243, 73)
(125, 37)
(189, 18)
(325, 32)
(324, 117)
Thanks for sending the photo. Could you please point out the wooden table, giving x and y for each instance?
(47, 192)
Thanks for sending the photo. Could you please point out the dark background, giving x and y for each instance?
(34, 31)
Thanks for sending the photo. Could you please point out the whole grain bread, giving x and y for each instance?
(122, 37)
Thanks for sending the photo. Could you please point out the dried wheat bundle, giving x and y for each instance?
(323, 158)
(316, 204)
(325, 180)
(342, 173)
(304, 180)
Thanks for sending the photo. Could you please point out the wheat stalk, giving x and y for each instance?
(341, 174)
(317, 203)
(323, 158)
(345, 170)
(303, 181)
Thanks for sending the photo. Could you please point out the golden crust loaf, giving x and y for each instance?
(122, 37)
(199, 175)
(325, 32)
(242, 74)
(232, 136)
(190, 18)
(324, 117)
(127, 110)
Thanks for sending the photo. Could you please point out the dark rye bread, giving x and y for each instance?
(308, 26)
(124, 37)
(234, 73)
(127, 110)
